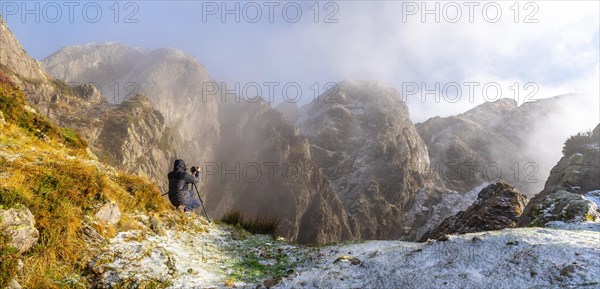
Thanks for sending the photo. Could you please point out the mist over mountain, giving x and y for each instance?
(364, 130)
(430, 144)
(172, 80)
(374, 170)
(519, 144)
(253, 133)
(394, 179)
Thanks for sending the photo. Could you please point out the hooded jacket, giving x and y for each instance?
(178, 180)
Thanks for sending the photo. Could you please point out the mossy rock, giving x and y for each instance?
(566, 207)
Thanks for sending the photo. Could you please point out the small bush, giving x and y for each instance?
(256, 225)
(72, 139)
(233, 217)
(10, 199)
(578, 143)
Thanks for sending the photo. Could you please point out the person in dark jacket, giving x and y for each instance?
(180, 196)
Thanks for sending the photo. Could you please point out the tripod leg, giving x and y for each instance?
(201, 202)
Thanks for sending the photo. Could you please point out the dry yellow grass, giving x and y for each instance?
(54, 176)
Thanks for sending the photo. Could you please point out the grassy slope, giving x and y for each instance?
(48, 169)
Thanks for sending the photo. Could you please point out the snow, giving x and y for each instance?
(516, 258)
(567, 256)
(593, 196)
(452, 203)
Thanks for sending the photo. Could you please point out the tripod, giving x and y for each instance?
(202, 202)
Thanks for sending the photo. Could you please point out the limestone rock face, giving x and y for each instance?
(498, 206)
(360, 132)
(20, 225)
(136, 137)
(576, 174)
(14, 57)
(497, 140)
(265, 169)
(467, 149)
(176, 84)
(133, 136)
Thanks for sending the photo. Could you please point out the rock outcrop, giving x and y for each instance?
(497, 140)
(109, 214)
(565, 207)
(265, 168)
(467, 149)
(576, 174)
(176, 84)
(498, 206)
(360, 132)
(19, 224)
(133, 136)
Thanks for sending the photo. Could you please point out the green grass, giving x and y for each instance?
(13, 107)
(8, 261)
(72, 139)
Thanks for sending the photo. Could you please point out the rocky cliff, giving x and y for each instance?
(468, 149)
(131, 136)
(497, 140)
(176, 84)
(378, 164)
(265, 167)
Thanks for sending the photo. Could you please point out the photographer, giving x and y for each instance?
(179, 194)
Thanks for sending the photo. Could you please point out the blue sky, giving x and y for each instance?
(377, 40)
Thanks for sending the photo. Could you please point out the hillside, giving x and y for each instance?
(145, 147)
(48, 173)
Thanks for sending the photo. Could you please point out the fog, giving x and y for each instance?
(443, 57)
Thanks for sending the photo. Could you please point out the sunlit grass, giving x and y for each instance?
(47, 169)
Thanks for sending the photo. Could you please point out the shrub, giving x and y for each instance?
(233, 217)
(578, 143)
(72, 139)
(256, 225)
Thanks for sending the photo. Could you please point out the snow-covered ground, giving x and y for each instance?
(204, 255)
(515, 258)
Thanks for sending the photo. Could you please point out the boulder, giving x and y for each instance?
(13, 284)
(157, 226)
(498, 206)
(109, 214)
(566, 207)
(20, 225)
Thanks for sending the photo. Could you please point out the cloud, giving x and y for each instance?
(371, 41)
